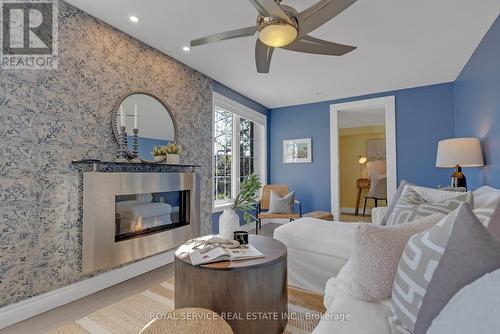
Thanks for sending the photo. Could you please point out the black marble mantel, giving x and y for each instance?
(129, 167)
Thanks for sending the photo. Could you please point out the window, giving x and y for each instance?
(223, 141)
(247, 148)
(239, 148)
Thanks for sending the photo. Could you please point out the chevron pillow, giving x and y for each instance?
(437, 263)
(417, 202)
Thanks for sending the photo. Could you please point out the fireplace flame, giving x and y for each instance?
(137, 225)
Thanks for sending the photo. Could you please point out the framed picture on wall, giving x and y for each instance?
(297, 151)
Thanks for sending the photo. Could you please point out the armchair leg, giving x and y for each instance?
(364, 207)
(257, 223)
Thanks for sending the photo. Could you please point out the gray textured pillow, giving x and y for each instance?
(375, 255)
(436, 264)
(396, 198)
(278, 204)
(412, 205)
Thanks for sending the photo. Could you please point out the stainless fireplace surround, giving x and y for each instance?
(99, 194)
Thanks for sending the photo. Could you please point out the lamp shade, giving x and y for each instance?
(465, 152)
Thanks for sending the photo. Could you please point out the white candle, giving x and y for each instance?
(122, 116)
(135, 118)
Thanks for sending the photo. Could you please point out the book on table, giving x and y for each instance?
(219, 254)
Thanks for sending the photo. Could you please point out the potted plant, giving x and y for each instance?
(245, 201)
(172, 150)
(159, 153)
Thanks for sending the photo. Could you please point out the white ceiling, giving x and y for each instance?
(401, 44)
(362, 117)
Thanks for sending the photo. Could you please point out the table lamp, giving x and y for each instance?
(457, 153)
(362, 160)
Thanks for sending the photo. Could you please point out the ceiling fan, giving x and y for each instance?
(281, 26)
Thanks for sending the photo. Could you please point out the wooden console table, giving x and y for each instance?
(251, 295)
(361, 184)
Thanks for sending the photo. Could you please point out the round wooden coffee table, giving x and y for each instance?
(250, 295)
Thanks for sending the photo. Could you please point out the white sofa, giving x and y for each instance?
(318, 249)
(363, 317)
(317, 254)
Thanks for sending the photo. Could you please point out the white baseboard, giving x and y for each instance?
(351, 211)
(31, 307)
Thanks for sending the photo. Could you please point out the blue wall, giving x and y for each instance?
(424, 115)
(477, 106)
(235, 96)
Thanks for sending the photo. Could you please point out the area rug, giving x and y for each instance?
(130, 315)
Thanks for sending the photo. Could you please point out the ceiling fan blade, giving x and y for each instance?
(270, 8)
(314, 45)
(243, 32)
(263, 55)
(320, 13)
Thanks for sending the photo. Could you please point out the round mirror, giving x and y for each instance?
(151, 117)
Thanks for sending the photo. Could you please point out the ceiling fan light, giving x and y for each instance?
(278, 35)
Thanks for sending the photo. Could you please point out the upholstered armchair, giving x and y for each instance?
(378, 191)
(263, 205)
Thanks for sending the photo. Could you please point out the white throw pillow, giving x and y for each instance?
(486, 197)
(474, 309)
(432, 195)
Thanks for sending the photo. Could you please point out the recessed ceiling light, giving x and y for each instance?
(186, 48)
(134, 19)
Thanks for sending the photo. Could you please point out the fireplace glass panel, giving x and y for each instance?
(140, 214)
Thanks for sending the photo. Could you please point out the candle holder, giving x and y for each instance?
(135, 147)
(122, 151)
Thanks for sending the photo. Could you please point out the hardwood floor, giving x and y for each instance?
(78, 309)
(350, 218)
(268, 229)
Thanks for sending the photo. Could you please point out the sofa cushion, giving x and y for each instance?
(417, 202)
(319, 236)
(375, 255)
(436, 264)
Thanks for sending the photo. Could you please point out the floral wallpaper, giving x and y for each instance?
(50, 117)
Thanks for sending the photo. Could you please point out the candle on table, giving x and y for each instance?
(122, 116)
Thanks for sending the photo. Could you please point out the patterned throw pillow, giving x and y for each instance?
(418, 202)
(278, 204)
(394, 200)
(436, 264)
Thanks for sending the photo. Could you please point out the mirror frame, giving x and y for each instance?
(115, 115)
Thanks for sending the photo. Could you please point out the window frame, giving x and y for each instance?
(239, 111)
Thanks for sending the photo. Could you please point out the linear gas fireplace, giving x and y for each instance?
(141, 214)
(129, 216)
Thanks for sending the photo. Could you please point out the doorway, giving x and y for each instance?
(363, 155)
